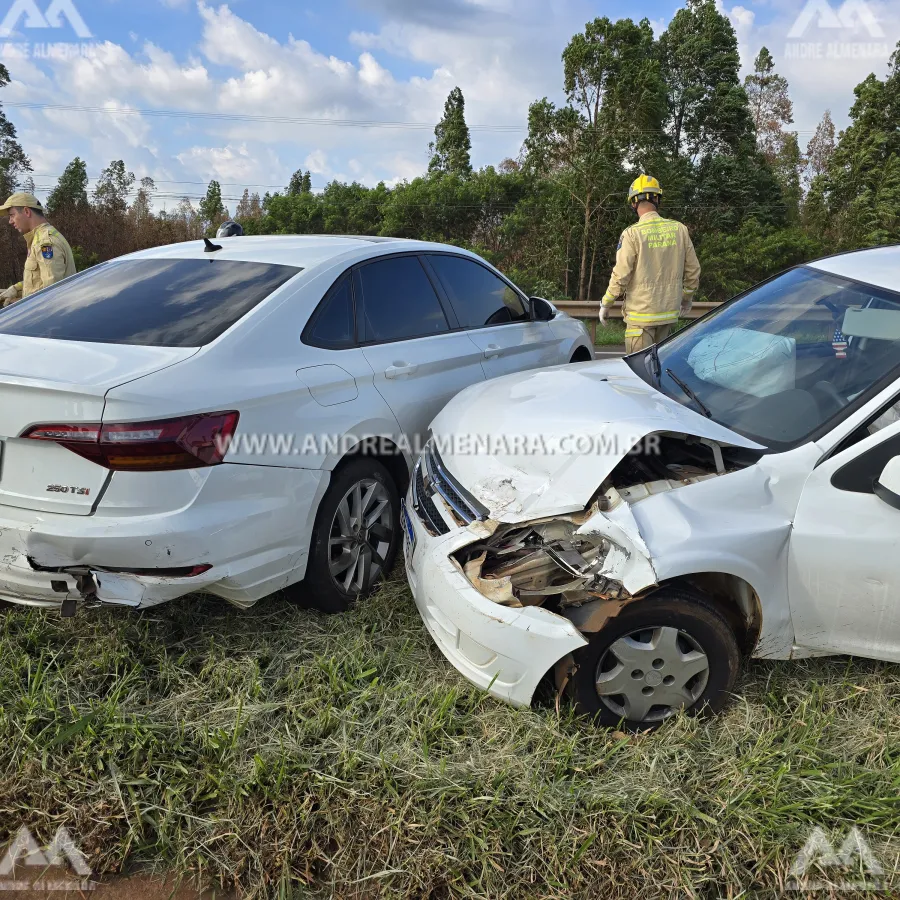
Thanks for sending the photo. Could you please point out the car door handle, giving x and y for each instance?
(400, 369)
(492, 351)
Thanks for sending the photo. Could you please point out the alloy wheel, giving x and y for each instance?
(360, 536)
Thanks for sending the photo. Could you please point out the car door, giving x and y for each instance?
(844, 561)
(496, 317)
(419, 361)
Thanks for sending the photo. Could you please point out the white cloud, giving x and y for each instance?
(504, 54)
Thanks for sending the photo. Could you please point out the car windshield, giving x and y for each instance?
(783, 361)
(152, 302)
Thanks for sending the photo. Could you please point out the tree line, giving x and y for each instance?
(674, 106)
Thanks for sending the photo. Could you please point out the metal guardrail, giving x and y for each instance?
(588, 310)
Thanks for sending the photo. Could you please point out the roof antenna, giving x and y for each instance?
(210, 246)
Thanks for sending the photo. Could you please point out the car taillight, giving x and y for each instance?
(188, 442)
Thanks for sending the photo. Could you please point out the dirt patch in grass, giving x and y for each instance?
(278, 752)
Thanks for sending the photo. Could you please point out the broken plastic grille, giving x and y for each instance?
(425, 506)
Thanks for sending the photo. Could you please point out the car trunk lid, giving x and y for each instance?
(43, 381)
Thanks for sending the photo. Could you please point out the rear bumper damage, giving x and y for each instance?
(244, 536)
(34, 572)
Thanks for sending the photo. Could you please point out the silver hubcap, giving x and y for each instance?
(360, 536)
(648, 675)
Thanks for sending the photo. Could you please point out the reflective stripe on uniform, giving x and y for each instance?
(633, 332)
(652, 317)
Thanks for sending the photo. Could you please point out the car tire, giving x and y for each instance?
(333, 580)
(673, 647)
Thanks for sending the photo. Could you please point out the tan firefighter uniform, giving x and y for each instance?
(658, 272)
(49, 255)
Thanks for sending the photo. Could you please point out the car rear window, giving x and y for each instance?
(152, 302)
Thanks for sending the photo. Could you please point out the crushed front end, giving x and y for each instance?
(506, 601)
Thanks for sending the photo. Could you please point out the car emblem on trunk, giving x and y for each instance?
(63, 489)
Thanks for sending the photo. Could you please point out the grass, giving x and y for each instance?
(290, 754)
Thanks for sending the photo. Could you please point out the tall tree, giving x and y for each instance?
(242, 210)
(772, 110)
(707, 107)
(212, 210)
(142, 207)
(860, 190)
(614, 113)
(113, 187)
(301, 183)
(770, 104)
(14, 164)
(717, 174)
(820, 148)
(70, 192)
(450, 148)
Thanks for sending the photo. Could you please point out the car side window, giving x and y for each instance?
(478, 296)
(398, 300)
(331, 326)
(859, 474)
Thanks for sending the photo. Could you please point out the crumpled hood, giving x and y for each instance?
(573, 423)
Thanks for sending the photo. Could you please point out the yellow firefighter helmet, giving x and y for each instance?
(644, 187)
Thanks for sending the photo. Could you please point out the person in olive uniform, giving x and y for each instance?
(49, 254)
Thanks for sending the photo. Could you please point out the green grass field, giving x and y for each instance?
(290, 754)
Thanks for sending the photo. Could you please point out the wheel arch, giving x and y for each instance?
(581, 354)
(734, 597)
(385, 451)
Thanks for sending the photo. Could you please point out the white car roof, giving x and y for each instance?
(304, 250)
(878, 266)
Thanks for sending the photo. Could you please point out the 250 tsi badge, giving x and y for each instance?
(63, 489)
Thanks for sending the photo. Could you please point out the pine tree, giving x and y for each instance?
(450, 148)
(242, 211)
(770, 104)
(142, 207)
(212, 211)
(301, 183)
(13, 161)
(859, 190)
(70, 192)
(772, 110)
(820, 148)
(113, 187)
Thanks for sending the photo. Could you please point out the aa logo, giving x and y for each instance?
(818, 866)
(24, 851)
(851, 15)
(52, 18)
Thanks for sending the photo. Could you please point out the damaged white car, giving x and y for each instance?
(636, 527)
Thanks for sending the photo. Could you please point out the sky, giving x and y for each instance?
(260, 88)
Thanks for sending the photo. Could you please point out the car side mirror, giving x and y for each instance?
(541, 310)
(887, 487)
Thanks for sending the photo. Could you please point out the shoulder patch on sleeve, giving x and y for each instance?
(47, 251)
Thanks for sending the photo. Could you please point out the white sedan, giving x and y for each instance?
(238, 417)
(734, 492)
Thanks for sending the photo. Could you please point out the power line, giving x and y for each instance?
(242, 117)
(298, 120)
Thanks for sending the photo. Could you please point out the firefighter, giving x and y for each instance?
(656, 270)
(49, 255)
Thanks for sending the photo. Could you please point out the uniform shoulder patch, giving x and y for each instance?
(47, 251)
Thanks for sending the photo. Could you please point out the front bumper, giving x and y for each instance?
(503, 650)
